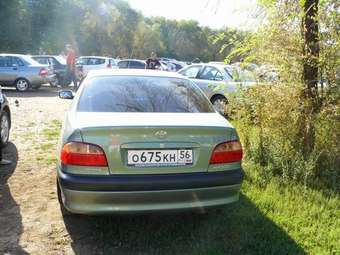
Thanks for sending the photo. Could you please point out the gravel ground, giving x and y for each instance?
(30, 220)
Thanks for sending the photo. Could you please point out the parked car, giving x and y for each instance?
(5, 119)
(167, 66)
(217, 80)
(143, 141)
(57, 63)
(178, 65)
(131, 64)
(23, 72)
(88, 63)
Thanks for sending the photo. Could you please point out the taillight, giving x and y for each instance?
(227, 152)
(109, 65)
(83, 154)
(43, 72)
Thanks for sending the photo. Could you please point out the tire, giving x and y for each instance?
(5, 127)
(22, 85)
(63, 209)
(220, 102)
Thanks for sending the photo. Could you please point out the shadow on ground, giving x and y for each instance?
(237, 229)
(10, 217)
(44, 91)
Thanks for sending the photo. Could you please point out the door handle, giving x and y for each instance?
(15, 68)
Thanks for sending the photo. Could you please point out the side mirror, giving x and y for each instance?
(66, 94)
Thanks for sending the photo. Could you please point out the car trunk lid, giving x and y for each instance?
(119, 133)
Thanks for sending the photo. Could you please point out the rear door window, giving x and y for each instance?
(41, 60)
(141, 94)
(191, 71)
(18, 61)
(82, 61)
(96, 61)
(2, 61)
(123, 64)
(8, 61)
(136, 65)
(211, 73)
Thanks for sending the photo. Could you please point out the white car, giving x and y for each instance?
(218, 80)
(88, 63)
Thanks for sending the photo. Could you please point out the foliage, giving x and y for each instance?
(272, 118)
(103, 27)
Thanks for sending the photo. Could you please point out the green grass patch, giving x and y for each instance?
(47, 147)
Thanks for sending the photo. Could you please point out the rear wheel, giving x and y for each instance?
(5, 125)
(22, 85)
(63, 210)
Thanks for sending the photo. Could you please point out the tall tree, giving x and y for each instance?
(310, 73)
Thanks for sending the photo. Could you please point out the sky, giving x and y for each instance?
(213, 13)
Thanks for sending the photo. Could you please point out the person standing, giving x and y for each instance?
(71, 66)
(152, 62)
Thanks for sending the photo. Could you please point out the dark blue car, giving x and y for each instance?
(5, 119)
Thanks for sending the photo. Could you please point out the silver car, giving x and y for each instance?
(23, 72)
(145, 141)
(217, 80)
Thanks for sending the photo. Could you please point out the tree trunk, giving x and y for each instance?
(310, 95)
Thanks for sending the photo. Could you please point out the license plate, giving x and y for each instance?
(148, 158)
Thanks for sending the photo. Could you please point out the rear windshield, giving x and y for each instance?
(29, 60)
(141, 94)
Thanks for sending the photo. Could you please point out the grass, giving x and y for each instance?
(47, 148)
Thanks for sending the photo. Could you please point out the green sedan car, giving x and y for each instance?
(138, 141)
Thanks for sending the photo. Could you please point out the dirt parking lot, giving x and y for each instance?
(29, 215)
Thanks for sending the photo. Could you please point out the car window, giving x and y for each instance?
(136, 64)
(2, 61)
(231, 72)
(53, 61)
(96, 61)
(41, 60)
(6, 61)
(123, 64)
(211, 73)
(141, 94)
(191, 72)
(61, 60)
(18, 61)
(82, 61)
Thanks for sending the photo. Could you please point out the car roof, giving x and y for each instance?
(94, 57)
(13, 55)
(45, 56)
(134, 72)
(132, 59)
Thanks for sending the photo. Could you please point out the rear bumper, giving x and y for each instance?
(148, 193)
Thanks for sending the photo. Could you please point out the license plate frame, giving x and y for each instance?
(160, 157)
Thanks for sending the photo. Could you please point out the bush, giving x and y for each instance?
(268, 119)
